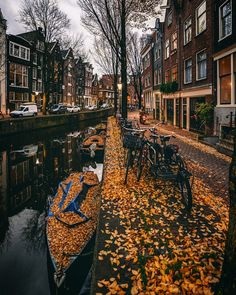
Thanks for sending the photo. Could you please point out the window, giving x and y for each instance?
(34, 83)
(187, 31)
(234, 77)
(35, 58)
(34, 74)
(225, 20)
(174, 41)
(225, 80)
(167, 49)
(18, 75)
(188, 71)
(17, 96)
(201, 65)
(19, 51)
(201, 18)
(167, 76)
(169, 19)
(157, 52)
(159, 76)
(174, 73)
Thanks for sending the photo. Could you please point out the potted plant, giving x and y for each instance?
(205, 112)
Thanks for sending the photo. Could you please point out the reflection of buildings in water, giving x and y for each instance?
(26, 170)
(3, 195)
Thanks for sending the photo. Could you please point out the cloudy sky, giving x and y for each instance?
(10, 12)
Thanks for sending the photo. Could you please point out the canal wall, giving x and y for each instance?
(12, 126)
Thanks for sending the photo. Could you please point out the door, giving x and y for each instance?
(170, 111)
(185, 113)
(157, 107)
(177, 105)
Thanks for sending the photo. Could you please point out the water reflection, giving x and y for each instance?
(30, 170)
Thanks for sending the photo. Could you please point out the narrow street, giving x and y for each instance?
(147, 242)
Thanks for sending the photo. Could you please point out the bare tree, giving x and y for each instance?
(76, 43)
(110, 19)
(107, 60)
(45, 14)
(135, 64)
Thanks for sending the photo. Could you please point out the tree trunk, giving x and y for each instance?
(228, 277)
(123, 60)
(115, 84)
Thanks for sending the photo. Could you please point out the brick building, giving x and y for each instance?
(147, 73)
(105, 89)
(187, 60)
(225, 69)
(69, 79)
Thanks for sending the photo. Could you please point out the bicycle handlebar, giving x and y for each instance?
(134, 130)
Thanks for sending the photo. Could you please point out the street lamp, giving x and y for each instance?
(119, 86)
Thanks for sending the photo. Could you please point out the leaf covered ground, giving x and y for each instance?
(147, 242)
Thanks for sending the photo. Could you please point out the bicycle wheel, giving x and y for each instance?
(186, 192)
(128, 164)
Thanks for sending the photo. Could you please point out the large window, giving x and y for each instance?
(174, 42)
(167, 48)
(225, 20)
(201, 65)
(225, 80)
(17, 96)
(159, 76)
(174, 73)
(187, 30)
(18, 75)
(188, 71)
(201, 18)
(19, 51)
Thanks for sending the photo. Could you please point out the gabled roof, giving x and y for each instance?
(32, 35)
(2, 19)
(51, 46)
(65, 53)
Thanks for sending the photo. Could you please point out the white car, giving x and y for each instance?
(91, 108)
(25, 110)
(73, 109)
(104, 106)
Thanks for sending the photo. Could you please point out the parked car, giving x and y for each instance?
(91, 108)
(73, 109)
(58, 109)
(104, 106)
(25, 110)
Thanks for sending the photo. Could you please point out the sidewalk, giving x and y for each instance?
(146, 242)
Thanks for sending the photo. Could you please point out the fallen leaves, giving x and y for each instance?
(148, 243)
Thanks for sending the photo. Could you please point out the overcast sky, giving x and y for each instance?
(10, 12)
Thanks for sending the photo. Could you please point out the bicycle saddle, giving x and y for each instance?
(165, 137)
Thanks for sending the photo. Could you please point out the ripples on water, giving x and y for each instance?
(31, 166)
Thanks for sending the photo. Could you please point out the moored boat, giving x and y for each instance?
(72, 220)
(93, 145)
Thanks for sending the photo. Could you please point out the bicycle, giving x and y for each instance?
(165, 163)
(133, 141)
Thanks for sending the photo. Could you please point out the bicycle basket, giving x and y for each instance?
(132, 141)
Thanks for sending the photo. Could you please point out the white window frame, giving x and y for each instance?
(27, 51)
(220, 22)
(22, 76)
(187, 19)
(185, 71)
(166, 48)
(171, 43)
(196, 18)
(168, 18)
(197, 78)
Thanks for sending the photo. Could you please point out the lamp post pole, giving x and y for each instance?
(119, 108)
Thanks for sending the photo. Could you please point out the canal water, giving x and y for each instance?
(31, 166)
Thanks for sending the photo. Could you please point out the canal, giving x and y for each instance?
(31, 166)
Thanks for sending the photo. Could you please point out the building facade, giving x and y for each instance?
(3, 64)
(225, 70)
(147, 73)
(54, 73)
(187, 61)
(37, 40)
(157, 69)
(69, 87)
(106, 90)
(19, 71)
